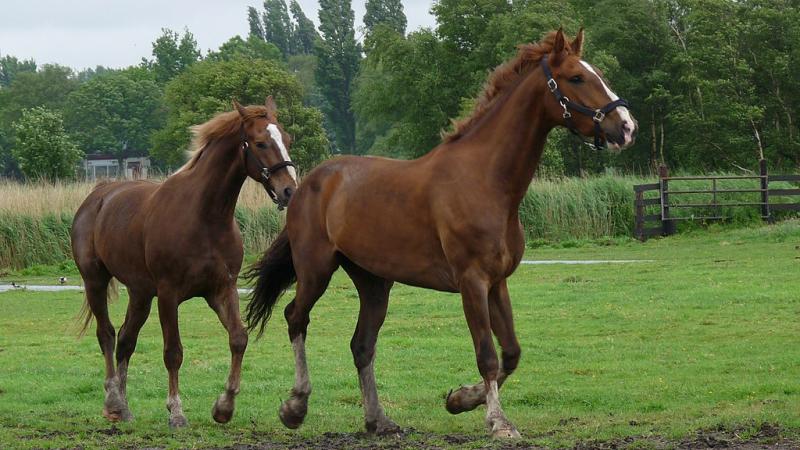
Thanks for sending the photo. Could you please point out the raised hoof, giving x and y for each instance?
(292, 413)
(222, 411)
(455, 403)
(506, 432)
(178, 422)
(120, 415)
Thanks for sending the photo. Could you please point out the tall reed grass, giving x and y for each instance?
(35, 218)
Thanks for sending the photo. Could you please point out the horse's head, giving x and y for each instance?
(581, 99)
(266, 152)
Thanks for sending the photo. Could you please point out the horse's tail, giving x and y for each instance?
(274, 273)
(85, 315)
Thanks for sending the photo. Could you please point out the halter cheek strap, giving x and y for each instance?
(597, 115)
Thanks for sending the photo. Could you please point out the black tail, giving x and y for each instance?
(274, 273)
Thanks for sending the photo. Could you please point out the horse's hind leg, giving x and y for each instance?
(226, 305)
(373, 293)
(138, 312)
(114, 408)
(467, 398)
(313, 275)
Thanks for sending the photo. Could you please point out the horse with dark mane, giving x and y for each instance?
(446, 221)
(178, 240)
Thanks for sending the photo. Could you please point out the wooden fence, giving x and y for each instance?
(663, 222)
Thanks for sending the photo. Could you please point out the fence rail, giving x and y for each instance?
(664, 222)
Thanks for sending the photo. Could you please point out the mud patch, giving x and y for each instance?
(765, 436)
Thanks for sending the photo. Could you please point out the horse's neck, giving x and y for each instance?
(508, 143)
(217, 179)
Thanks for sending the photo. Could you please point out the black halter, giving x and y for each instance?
(597, 115)
(266, 172)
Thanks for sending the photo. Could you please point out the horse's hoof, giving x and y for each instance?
(178, 422)
(455, 403)
(222, 411)
(119, 415)
(506, 432)
(384, 427)
(291, 417)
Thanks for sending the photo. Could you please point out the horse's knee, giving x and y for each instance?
(173, 357)
(511, 357)
(362, 354)
(487, 359)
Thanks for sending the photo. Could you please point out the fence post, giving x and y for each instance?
(762, 169)
(639, 224)
(667, 224)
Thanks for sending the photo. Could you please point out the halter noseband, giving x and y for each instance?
(266, 172)
(597, 115)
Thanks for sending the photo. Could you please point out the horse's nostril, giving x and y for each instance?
(625, 126)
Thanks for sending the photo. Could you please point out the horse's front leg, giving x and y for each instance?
(467, 398)
(173, 355)
(474, 296)
(226, 305)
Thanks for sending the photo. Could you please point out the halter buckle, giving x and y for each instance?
(563, 104)
(599, 116)
(552, 85)
(265, 173)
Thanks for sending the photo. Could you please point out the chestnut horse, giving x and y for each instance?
(446, 221)
(178, 240)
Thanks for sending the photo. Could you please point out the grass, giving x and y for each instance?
(705, 336)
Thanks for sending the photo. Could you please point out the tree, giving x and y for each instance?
(385, 12)
(252, 48)
(305, 33)
(338, 55)
(10, 67)
(173, 54)
(254, 21)
(42, 147)
(277, 26)
(115, 112)
(208, 87)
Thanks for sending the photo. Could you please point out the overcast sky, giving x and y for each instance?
(119, 33)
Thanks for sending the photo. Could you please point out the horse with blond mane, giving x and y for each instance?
(178, 240)
(447, 221)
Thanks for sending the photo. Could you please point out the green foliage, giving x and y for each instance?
(27, 241)
(42, 148)
(173, 54)
(277, 26)
(304, 31)
(10, 67)
(338, 55)
(253, 48)
(208, 88)
(254, 21)
(115, 111)
(388, 13)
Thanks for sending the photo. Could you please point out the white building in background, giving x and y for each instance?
(96, 167)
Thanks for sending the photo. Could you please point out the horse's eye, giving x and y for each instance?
(577, 79)
(261, 145)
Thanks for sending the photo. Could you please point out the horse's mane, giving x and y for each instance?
(220, 126)
(503, 77)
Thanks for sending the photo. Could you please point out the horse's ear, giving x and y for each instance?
(559, 48)
(577, 44)
(272, 108)
(240, 108)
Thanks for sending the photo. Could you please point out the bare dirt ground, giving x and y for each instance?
(766, 437)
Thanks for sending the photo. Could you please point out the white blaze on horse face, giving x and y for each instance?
(623, 112)
(276, 136)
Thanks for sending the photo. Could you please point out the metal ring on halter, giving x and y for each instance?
(599, 116)
(551, 83)
(563, 104)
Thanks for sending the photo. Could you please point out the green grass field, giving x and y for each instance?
(703, 337)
